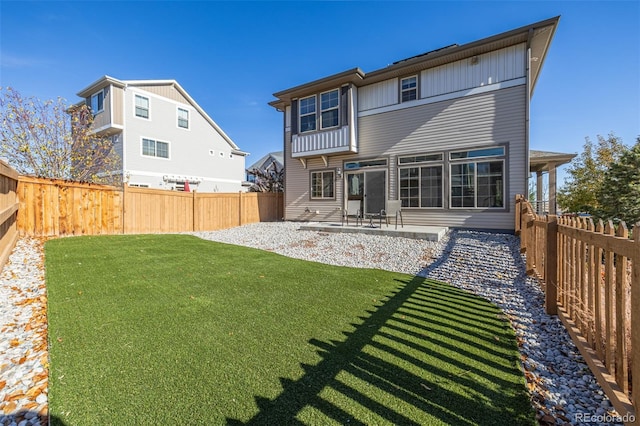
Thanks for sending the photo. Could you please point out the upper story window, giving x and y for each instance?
(329, 110)
(152, 148)
(97, 102)
(308, 114)
(142, 106)
(183, 118)
(409, 88)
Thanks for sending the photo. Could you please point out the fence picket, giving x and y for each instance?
(622, 371)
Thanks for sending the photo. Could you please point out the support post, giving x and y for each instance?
(552, 189)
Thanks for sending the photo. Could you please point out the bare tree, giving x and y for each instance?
(49, 139)
(270, 179)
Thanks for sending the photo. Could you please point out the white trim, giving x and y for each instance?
(447, 96)
(346, 149)
(142, 138)
(199, 178)
(135, 113)
(108, 126)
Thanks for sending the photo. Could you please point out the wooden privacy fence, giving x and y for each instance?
(8, 211)
(58, 208)
(591, 277)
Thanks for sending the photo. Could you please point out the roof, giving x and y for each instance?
(538, 36)
(277, 156)
(542, 160)
(108, 80)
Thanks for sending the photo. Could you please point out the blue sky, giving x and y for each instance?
(232, 56)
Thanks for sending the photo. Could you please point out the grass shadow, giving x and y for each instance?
(410, 372)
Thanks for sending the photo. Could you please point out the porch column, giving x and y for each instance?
(552, 189)
(539, 193)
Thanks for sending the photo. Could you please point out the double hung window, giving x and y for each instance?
(409, 88)
(142, 107)
(329, 110)
(308, 114)
(183, 118)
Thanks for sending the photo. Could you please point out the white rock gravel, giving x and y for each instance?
(563, 390)
(23, 338)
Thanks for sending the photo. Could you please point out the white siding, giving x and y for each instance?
(189, 150)
(490, 68)
(321, 142)
(378, 95)
(504, 65)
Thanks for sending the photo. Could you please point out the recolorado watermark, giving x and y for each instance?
(604, 418)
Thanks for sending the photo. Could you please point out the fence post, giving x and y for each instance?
(518, 213)
(635, 320)
(551, 266)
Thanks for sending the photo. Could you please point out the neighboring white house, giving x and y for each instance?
(446, 132)
(163, 136)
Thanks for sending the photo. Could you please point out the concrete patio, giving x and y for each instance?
(429, 233)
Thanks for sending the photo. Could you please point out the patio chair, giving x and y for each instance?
(352, 210)
(394, 209)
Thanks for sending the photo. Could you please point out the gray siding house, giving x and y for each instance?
(446, 132)
(163, 136)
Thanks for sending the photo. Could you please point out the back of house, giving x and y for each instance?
(446, 132)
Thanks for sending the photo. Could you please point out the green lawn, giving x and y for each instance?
(172, 329)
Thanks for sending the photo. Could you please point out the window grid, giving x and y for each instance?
(307, 114)
(153, 148)
(409, 88)
(322, 185)
(421, 186)
(329, 109)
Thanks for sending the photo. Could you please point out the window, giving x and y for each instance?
(477, 184)
(421, 184)
(183, 118)
(308, 114)
(142, 106)
(153, 148)
(329, 111)
(409, 88)
(97, 102)
(322, 185)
